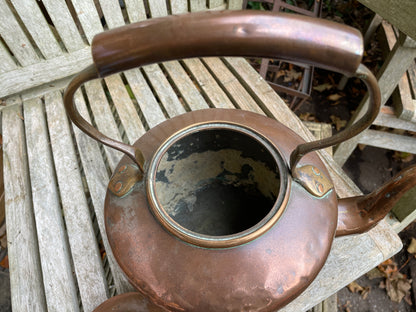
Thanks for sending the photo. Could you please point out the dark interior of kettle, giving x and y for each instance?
(217, 181)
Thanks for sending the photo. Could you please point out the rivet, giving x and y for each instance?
(122, 169)
(316, 171)
(118, 187)
(319, 187)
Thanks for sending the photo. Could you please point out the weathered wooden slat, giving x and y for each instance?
(185, 86)
(15, 38)
(88, 17)
(6, 61)
(135, 10)
(24, 262)
(104, 119)
(400, 14)
(37, 26)
(145, 98)
(388, 140)
(112, 13)
(64, 24)
(164, 90)
(178, 6)
(158, 8)
(231, 85)
(198, 5)
(207, 83)
(53, 247)
(387, 118)
(97, 178)
(84, 249)
(125, 108)
(234, 4)
(213, 4)
(43, 72)
(398, 61)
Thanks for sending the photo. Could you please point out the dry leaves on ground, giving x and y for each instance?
(357, 288)
(338, 122)
(397, 285)
(323, 87)
(307, 117)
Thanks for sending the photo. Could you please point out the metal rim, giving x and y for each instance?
(225, 241)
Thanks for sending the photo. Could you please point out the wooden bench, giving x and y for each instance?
(398, 61)
(56, 177)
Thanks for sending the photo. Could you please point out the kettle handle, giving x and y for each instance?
(292, 37)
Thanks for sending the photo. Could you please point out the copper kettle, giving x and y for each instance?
(227, 210)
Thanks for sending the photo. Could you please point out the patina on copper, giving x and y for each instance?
(160, 218)
(263, 273)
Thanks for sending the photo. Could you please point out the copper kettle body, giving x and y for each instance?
(226, 210)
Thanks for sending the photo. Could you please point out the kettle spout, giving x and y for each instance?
(361, 213)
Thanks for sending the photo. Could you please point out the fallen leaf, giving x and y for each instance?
(307, 117)
(398, 286)
(334, 97)
(291, 75)
(375, 273)
(361, 146)
(388, 267)
(403, 156)
(339, 123)
(323, 87)
(5, 262)
(412, 247)
(365, 292)
(354, 287)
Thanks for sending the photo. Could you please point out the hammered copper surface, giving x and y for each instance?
(278, 261)
(264, 274)
(129, 302)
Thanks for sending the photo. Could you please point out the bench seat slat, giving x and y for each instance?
(158, 8)
(6, 61)
(64, 24)
(97, 178)
(178, 6)
(15, 38)
(145, 98)
(135, 10)
(125, 108)
(207, 83)
(185, 86)
(53, 247)
(88, 17)
(164, 90)
(38, 28)
(103, 118)
(25, 273)
(231, 85)
(84, 249)
(112, 13)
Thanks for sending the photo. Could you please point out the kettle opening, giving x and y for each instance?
(216, 181)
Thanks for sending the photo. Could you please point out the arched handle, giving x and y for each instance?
(292, 37)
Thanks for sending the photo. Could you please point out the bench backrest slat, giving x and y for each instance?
(64, 23)
(42, 38)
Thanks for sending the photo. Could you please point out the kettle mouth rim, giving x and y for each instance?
(218, 241)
